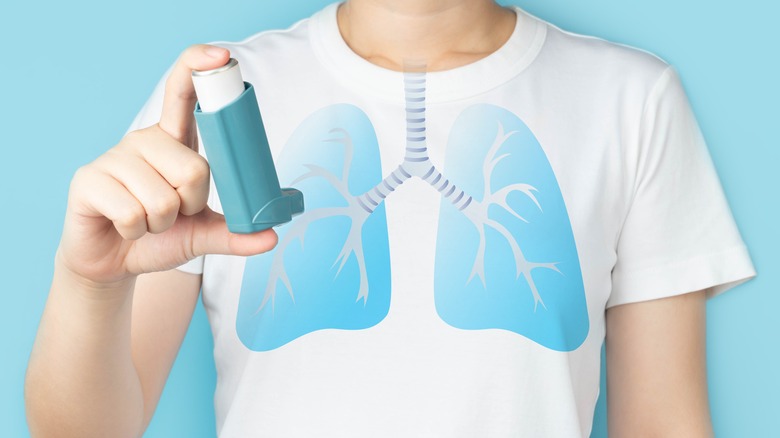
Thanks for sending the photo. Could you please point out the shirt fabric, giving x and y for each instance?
(390, 308)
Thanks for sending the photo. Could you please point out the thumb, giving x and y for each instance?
(179, 99)
(211, 236)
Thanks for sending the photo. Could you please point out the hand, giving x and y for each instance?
(141, 206)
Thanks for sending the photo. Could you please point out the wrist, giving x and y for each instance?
(71, 280)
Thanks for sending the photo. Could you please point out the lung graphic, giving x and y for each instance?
(505, 252)
(509, 260)
(331, 268)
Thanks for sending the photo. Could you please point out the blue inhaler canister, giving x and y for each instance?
(236, 145)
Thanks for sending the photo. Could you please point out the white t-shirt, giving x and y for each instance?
(464, 232)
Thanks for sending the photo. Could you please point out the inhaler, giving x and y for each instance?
(234, 138)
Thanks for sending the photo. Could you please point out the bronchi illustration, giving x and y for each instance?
(416, 163)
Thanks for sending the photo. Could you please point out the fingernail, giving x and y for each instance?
(215, 52)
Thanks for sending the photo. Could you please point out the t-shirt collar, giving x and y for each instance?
(462, 82)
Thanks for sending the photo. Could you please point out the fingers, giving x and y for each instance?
(159, 200)
(179, 100)
(143, 183)
(108, 198)
(137, 200)
(182, 168)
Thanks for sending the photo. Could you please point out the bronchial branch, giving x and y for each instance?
(416, 163)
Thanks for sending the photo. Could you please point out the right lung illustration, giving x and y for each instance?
(331, 267)
(508, 260)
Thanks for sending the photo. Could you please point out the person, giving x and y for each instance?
(488, 197)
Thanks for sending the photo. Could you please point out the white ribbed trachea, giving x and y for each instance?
(416, 161)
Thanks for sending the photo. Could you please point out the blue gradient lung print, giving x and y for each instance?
(509, 260)
(331, 268)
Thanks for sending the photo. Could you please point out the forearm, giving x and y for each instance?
(81, 380)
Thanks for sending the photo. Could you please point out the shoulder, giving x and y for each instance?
(597, 62)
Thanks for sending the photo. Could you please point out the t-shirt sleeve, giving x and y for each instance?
(679, 234)
(149, 115)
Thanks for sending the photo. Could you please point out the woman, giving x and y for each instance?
(487, 198)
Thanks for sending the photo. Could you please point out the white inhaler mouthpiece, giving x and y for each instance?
(218, 87)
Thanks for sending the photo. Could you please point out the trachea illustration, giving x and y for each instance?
(416, 163)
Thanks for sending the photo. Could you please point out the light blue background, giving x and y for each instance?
(75, 73)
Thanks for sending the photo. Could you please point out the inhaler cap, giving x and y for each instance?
(218, 87)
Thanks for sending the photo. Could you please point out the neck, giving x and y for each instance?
(440, 34)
